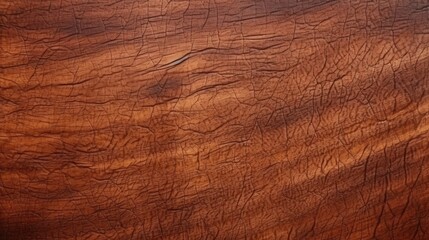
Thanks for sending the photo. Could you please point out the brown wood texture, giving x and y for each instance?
(214, 119)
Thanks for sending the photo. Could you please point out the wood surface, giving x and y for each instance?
(214, 119)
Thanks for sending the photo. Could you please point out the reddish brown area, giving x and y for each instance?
(214, 119)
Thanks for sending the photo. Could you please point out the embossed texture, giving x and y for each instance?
(214, 119)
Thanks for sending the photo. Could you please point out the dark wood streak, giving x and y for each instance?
(215, 119)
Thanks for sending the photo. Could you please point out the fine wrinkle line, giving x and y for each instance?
(177, 62)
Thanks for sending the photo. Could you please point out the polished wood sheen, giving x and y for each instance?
(214, 119)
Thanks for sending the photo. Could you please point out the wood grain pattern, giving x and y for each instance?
(214, 119)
